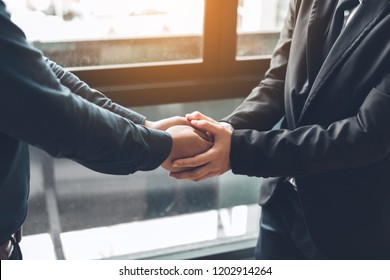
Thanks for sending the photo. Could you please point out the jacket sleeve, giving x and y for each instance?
(264, 106)
(356, 141)
(37, 109)
(80, 88)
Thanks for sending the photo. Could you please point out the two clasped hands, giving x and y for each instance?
(200, 148)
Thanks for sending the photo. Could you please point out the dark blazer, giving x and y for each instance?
(42, 104)
(335, 134)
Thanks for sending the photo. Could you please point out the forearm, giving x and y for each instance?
(356, 141)
(82, 89)
(261, 110)
(65, 125)
(37, 109)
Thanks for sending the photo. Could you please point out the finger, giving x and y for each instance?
(183, 175)
(192, 174)
(196, 115)
(178, 121)
(195, 161)
(199, 116)
(207, 176)
(164, 124)
(211, 127)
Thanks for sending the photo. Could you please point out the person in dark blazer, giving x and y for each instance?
(44, 105)
(327, 189)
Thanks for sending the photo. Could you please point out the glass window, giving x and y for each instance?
(258, 26)
(110, 32)
(76, 213)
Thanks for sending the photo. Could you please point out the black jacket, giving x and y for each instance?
(43, 105)
(335, 134)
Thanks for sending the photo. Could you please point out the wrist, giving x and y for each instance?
(149, 124)
(227, 126)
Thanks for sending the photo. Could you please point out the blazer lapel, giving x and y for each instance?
(321, 14)
(363, 21)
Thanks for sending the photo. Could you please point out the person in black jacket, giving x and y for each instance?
(42, 104)
(327, 189)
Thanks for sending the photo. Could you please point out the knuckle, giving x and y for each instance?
(196, 163)
(194, 176)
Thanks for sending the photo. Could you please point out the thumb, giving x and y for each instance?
(199, 116)
(209, 127)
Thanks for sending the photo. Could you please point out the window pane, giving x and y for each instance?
(110, 32)
(96, 216)
(258, 25)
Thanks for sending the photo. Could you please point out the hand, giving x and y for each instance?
(164, 124)
(214, 161)
(187, 142)
(197, 116)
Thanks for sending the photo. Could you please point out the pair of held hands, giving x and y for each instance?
(200, 148)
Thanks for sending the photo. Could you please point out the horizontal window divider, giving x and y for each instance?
(182, 91)
(145, 73)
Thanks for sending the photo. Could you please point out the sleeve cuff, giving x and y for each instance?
(160, 145)
(241, 155)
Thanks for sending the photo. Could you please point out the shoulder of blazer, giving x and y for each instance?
(366, 18)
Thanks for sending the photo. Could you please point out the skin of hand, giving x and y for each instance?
(197, 116)
(214, 161)
(187, 142)
(164, 124)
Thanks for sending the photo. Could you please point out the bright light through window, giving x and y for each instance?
(258, 26)
(112, 31)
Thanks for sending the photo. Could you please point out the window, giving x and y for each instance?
(144, 52)
(75, 213)
(258, 25)
(161, 58)
(77, 33)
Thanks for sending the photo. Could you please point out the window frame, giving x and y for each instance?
(219, 75)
